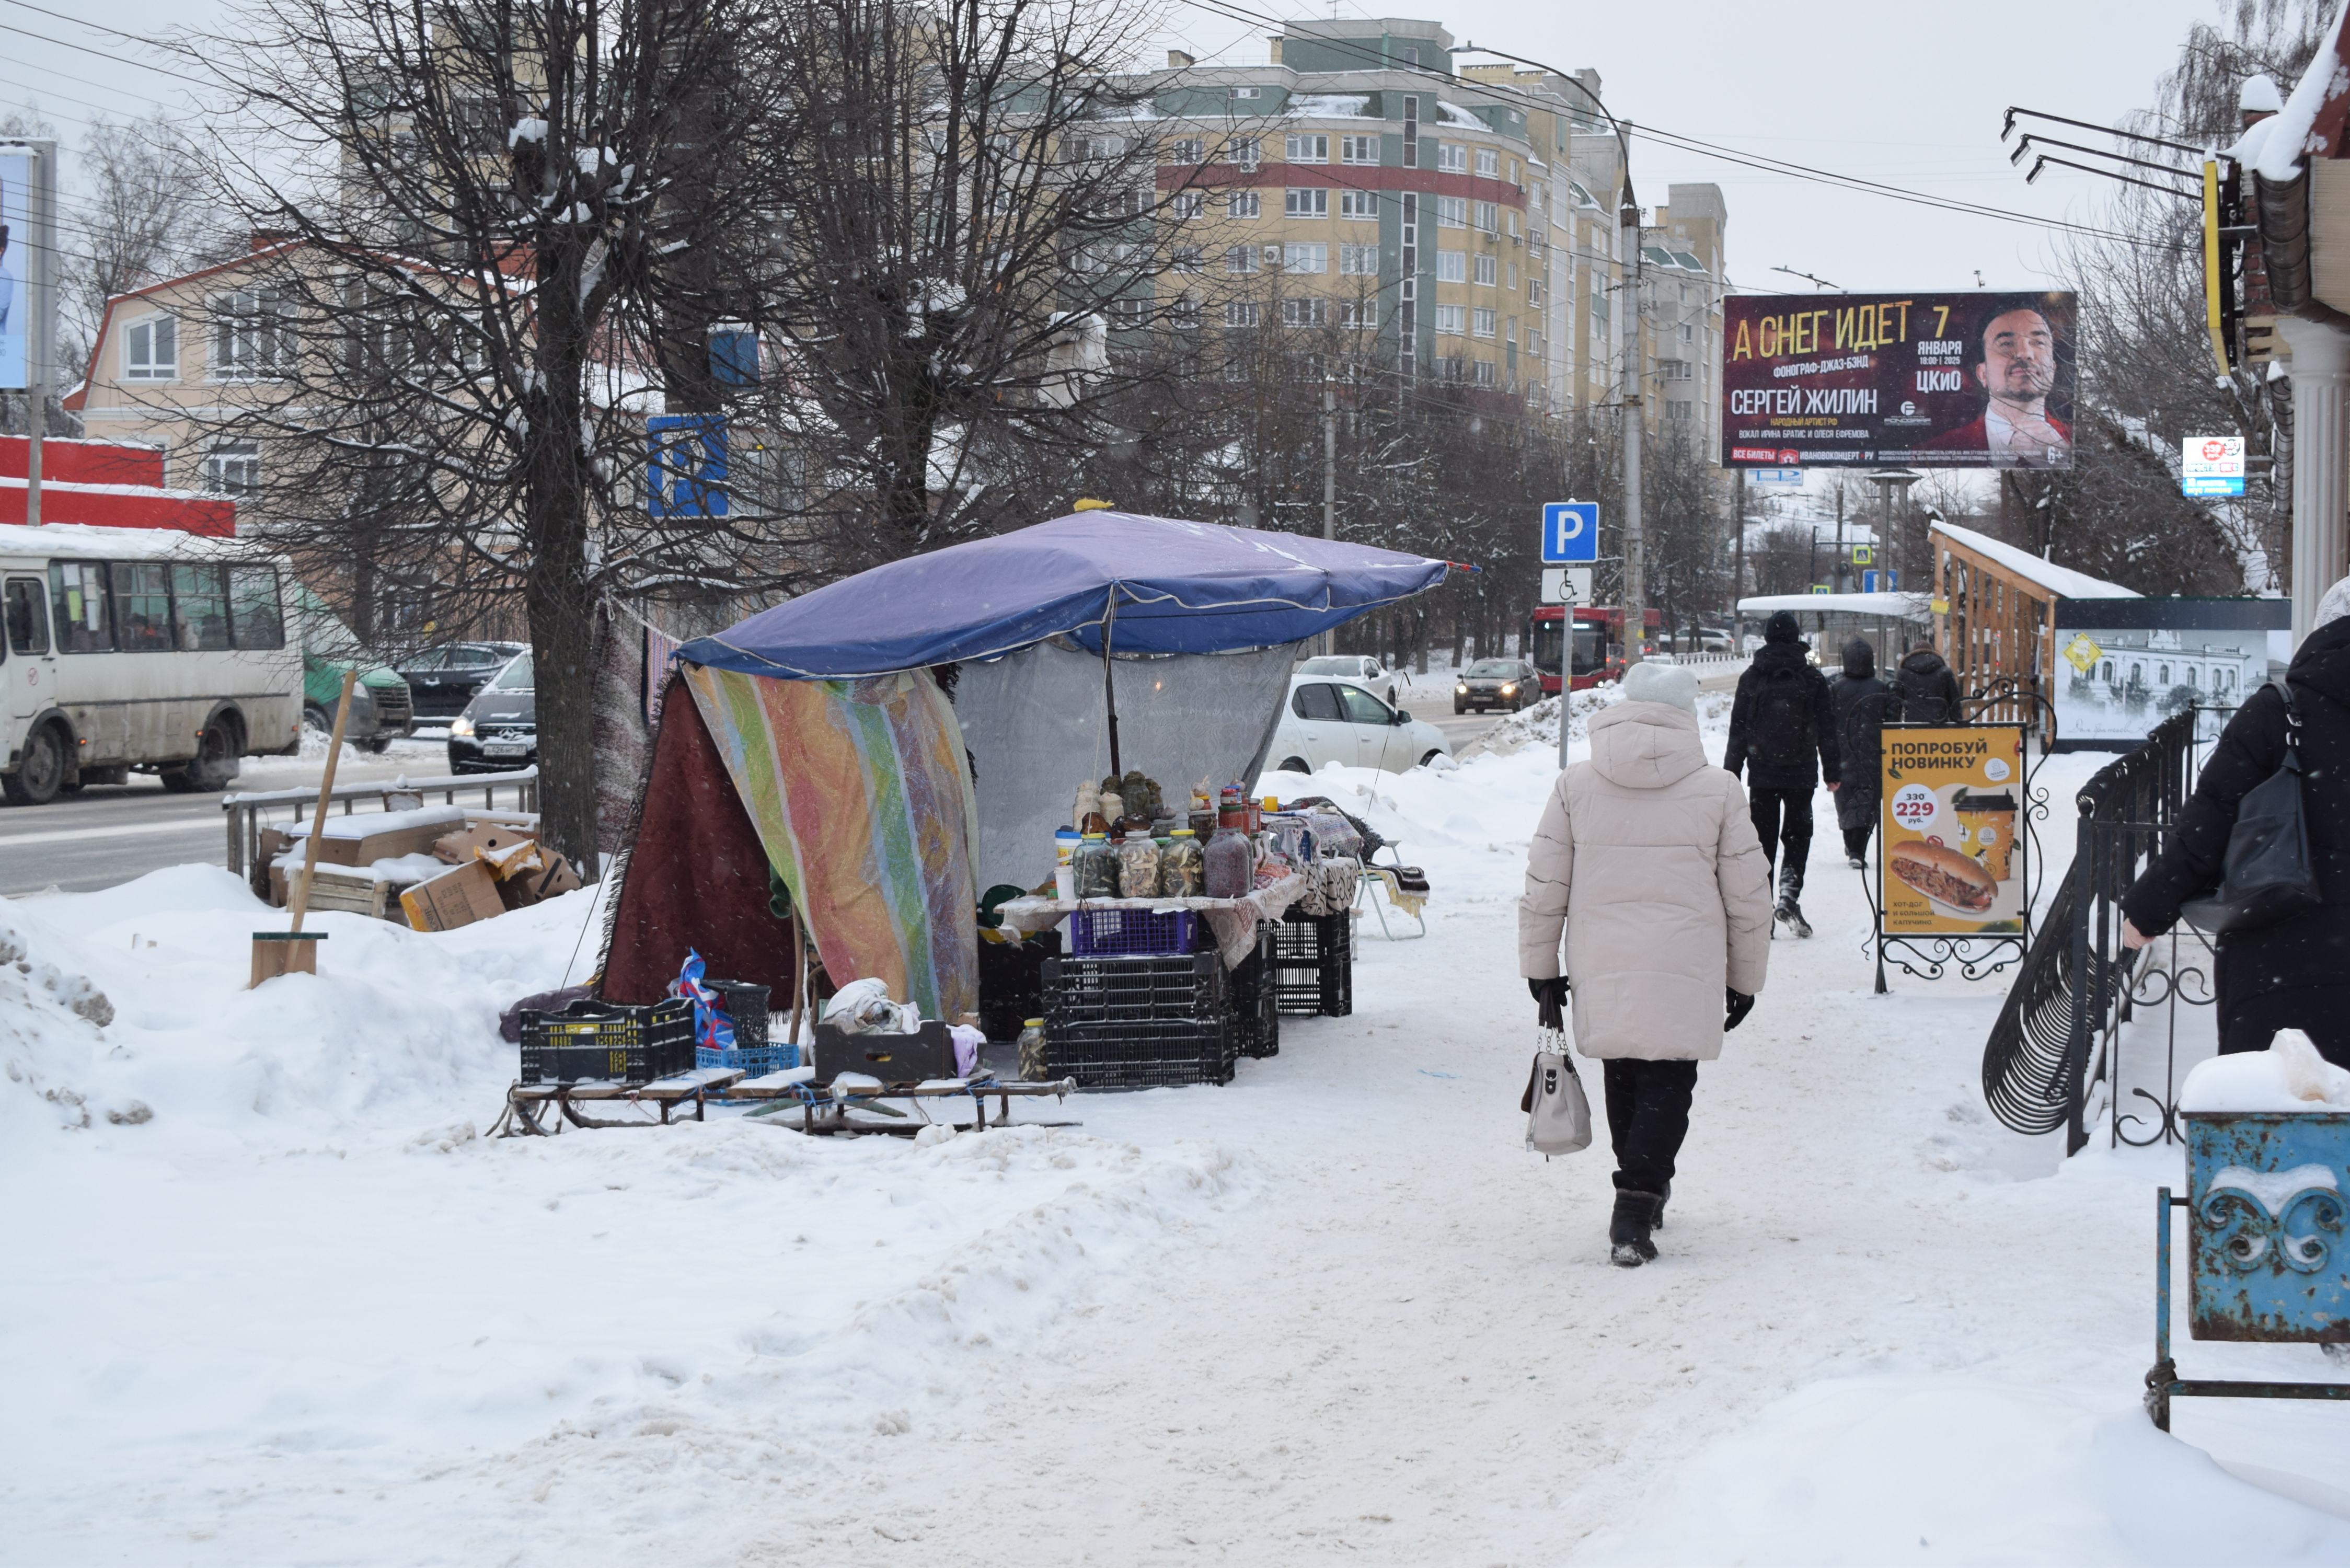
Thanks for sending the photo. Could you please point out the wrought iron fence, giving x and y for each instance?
(2076, 1040)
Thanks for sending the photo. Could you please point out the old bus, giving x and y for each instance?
(142, 649)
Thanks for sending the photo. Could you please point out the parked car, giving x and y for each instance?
(1360, 668)
(1338, 721)
(447, 675)
(499, 728)
(380, 711)
(1507, 683)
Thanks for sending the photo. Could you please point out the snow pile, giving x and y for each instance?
(2288, 1077)
(1537, 726)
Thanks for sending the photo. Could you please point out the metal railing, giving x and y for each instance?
(244, 813)
(2053, 1058)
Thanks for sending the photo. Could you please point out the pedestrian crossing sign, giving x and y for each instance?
(2082, 654)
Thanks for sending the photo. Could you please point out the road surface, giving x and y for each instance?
(99, 837)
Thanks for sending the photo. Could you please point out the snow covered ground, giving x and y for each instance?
(270, 1299)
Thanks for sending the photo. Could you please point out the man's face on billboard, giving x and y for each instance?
(2019, 356)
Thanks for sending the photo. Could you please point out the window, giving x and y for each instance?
(234, 468)
(1675, 370)
(1241, 313)
(1489, 163)
(255, 618)
(1452, 266)
(142, 607)
(1481, 322)
(1535, 344)
(151, 350)
(1128, 313)
(1241, 204)
(1305, 313)
(1412, 133)
(481, 129)
(78, 608)
(2162, 675)
(28, 627)
(1084, 149)
(1359, 203)
(1513, 217)
(250, 336)
(1317, 702)
(1516, 178)
(1482, 372)
(1187, 258)
(1509, 330)
(1688, 332)
(1362, 708)
(2105, 670)
(1248, 92)
(1240, 259)
(1452, 367)
(1243, 151)
(1297, 204)
(1359, 260)
(1185, 149)
(199, 609)
(1307, 148)
(1306, 258)
(1485, 269)
(1453, 158)
(1450, 321)
(1358, 150)
(1534, 288)
(1485, 219)
(1513, 270)
(1188, 204)
(1452, 211)
(1361, 315)
(1184, 315)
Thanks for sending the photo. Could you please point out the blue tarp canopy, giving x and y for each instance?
(1177, 587)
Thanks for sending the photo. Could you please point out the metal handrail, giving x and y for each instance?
(242, 813)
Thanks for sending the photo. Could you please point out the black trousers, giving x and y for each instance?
(1856, 843)
(1648, 1117)
(1783, 820)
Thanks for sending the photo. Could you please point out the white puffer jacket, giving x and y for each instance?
(1646, 855)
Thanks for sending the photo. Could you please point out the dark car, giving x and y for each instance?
(499, 729)
(442, 679)
(1509, 684)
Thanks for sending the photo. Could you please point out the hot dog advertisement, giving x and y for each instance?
(1953, 801)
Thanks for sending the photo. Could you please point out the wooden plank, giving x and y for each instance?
(685, 1085)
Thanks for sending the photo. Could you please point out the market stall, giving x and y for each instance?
(898, 744)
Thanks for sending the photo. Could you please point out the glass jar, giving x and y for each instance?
(1182, 870)
(1137, 867)
(1095, 867)
(1032, 1065)
(1229, 866)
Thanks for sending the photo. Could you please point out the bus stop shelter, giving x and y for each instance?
(1890, 621)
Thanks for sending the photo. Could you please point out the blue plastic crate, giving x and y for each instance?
(753, 1060)
(1142, 933)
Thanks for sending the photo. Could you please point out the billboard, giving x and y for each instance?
(1947, 859)
(16, 273)
(1854, 381)
(2123, 666)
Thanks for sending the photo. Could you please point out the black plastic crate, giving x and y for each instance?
(1147, 1056)
(1313, 938)
(595, 1040)
(1178, 988)
(1256, 1006)
(1313, 965)
(1012, 983)
(746, 1008)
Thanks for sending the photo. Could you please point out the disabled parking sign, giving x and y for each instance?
(1570, 531)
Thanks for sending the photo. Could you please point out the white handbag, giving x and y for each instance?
(1558, 1115)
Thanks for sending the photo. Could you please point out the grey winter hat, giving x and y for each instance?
(1666, 683)
(1782, 626)
(2333, 606)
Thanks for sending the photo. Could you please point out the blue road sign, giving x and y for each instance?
(685, 467)
(1570, 531)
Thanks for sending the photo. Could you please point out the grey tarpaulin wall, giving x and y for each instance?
(1034, 725)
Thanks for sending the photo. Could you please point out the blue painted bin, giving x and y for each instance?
(2267, 1197)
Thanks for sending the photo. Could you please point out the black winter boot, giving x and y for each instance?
(1636, 1215)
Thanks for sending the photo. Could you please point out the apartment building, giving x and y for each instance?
(1454, 227)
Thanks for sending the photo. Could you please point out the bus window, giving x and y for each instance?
(142, 607)
(78, 606)
(28, 627)
(1589, 658)
(256, 619)
(1544, 653)
(199, 609)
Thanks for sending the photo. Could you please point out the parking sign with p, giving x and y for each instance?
(1570, 531)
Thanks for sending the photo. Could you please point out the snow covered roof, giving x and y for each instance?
(2062, 581)
(1902, 606)
(1454, 114)
(2274, 147)
(1329, 105)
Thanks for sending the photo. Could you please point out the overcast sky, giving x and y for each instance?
(1910, 95)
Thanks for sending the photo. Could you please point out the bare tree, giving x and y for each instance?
(141, 214)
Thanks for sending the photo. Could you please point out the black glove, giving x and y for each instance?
(1741, 1004)
(1550, 1001)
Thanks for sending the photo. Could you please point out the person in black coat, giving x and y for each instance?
(1783, 735)
(1861, 698)
(2294, 974)
(1928, 690)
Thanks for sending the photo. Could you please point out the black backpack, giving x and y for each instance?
(1782, 719)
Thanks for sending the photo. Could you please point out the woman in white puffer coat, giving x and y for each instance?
(1646, 857)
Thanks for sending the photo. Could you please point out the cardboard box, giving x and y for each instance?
(459, 846)
(454, 898)
(348, 840)
(542, 882)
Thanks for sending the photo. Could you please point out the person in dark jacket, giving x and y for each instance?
(1861, 699)
(1783, 735)
(2293, 974)
(1928, 690)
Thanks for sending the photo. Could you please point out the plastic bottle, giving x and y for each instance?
(1182, 868)
(1095, 868)
(1228, 865)
(1032, 1065)
(1137, 867)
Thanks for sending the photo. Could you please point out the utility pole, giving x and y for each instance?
(1836, 566)
(1738, 573)
(1329, 480)
(1636, 586)
(40, 303)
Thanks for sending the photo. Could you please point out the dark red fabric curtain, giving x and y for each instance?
(697, 878)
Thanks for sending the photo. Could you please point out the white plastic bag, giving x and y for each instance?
(863, 1007)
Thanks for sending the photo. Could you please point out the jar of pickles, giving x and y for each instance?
(1095, 868)
(1181, 868)
(1032, 1065)
(1137, 867)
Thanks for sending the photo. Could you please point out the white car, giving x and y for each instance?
(1338, 721)
(1359, 668)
